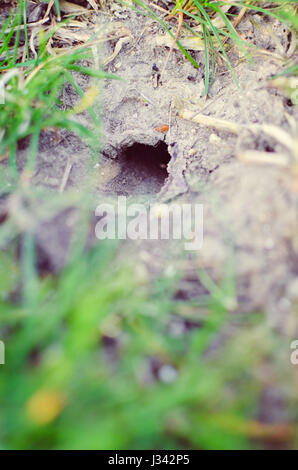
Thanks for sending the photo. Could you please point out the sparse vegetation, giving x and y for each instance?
(210, 25)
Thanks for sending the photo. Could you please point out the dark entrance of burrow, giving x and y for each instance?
(143, 169)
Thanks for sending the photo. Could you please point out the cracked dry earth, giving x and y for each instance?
(250, 204)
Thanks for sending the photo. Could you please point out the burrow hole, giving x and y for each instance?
(143, 170)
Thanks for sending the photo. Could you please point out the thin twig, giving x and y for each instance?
(50, 4)
(163, 10)
(170, 120)
(180, 22)
(29, 25)
(236, 22)
(239, 17)
(228, 126)
(271, 158)
(65, 176)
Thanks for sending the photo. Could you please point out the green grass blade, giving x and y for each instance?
(160, 21)
(80, 92)
(26, 28)
(58, 10)
(206, 51)
(215, 32)
(29, 276)
(233, 35)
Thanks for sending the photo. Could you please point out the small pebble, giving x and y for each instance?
(214, 139)
(269, 244)
(176, 328)
(167, 374)
(292, 289)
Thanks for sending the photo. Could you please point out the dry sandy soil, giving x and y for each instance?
(250, 206)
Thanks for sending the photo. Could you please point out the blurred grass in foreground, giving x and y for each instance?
(94, 363)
